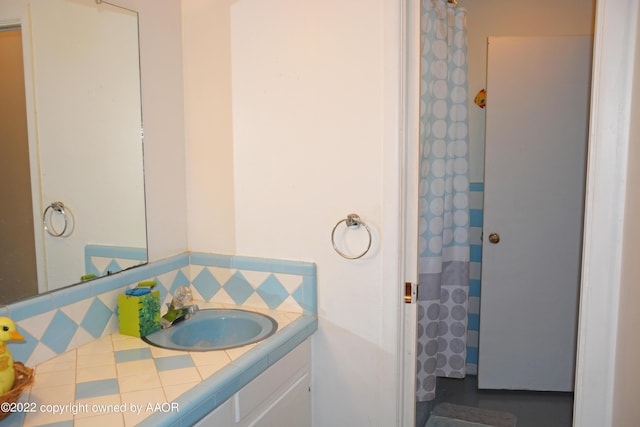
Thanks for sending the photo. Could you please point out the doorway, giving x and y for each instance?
(18, 275)
(494, 10)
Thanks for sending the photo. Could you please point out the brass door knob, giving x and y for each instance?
(494, 238)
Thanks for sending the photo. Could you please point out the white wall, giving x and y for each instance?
(627, 371)
(512, 18)
(314, 110)
(163, 116)
(208, 118)
(308, 104)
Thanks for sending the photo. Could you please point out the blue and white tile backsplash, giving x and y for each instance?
(101, 260)
(68, 318)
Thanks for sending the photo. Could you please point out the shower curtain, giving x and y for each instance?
(444, 197)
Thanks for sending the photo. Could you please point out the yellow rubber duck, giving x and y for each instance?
(8, 332)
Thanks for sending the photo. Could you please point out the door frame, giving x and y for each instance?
(409, 171)
(616, 33)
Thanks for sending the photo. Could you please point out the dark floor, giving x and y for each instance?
(532, 409)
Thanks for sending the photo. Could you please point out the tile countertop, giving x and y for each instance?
(118, 380)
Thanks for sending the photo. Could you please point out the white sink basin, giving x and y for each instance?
(215, 329)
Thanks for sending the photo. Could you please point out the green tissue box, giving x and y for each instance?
(139, 315)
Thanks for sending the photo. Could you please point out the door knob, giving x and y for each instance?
(494, 238)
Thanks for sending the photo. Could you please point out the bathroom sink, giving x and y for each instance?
(215, 329)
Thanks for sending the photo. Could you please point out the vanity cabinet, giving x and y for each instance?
(279, 396)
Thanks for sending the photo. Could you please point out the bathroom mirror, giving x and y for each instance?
(71, 132)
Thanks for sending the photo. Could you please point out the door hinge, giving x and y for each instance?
(410, 293)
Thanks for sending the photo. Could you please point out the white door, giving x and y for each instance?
(536, 139)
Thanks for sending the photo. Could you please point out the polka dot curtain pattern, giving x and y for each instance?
(444, 197)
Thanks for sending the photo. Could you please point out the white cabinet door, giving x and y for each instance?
(221, 416)
(536, 139)
(292, 408)
(278, 397)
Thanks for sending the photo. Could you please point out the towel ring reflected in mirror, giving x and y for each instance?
(47, 219)
(351, 221)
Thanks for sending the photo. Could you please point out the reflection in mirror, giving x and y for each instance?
(71, 150)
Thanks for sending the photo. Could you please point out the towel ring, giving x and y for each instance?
(352, 221)
(59, 208)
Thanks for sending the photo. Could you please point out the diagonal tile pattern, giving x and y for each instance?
(97, 318)
(206, 284)
(104, 382)
(238, 288)
(272, 292)
(60, 332)
(101, 259)
(79, 314)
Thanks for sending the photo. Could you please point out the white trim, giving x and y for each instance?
(614, 42)
(410, 169)
(391, 324)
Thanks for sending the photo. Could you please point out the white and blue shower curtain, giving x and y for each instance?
(444, 197)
